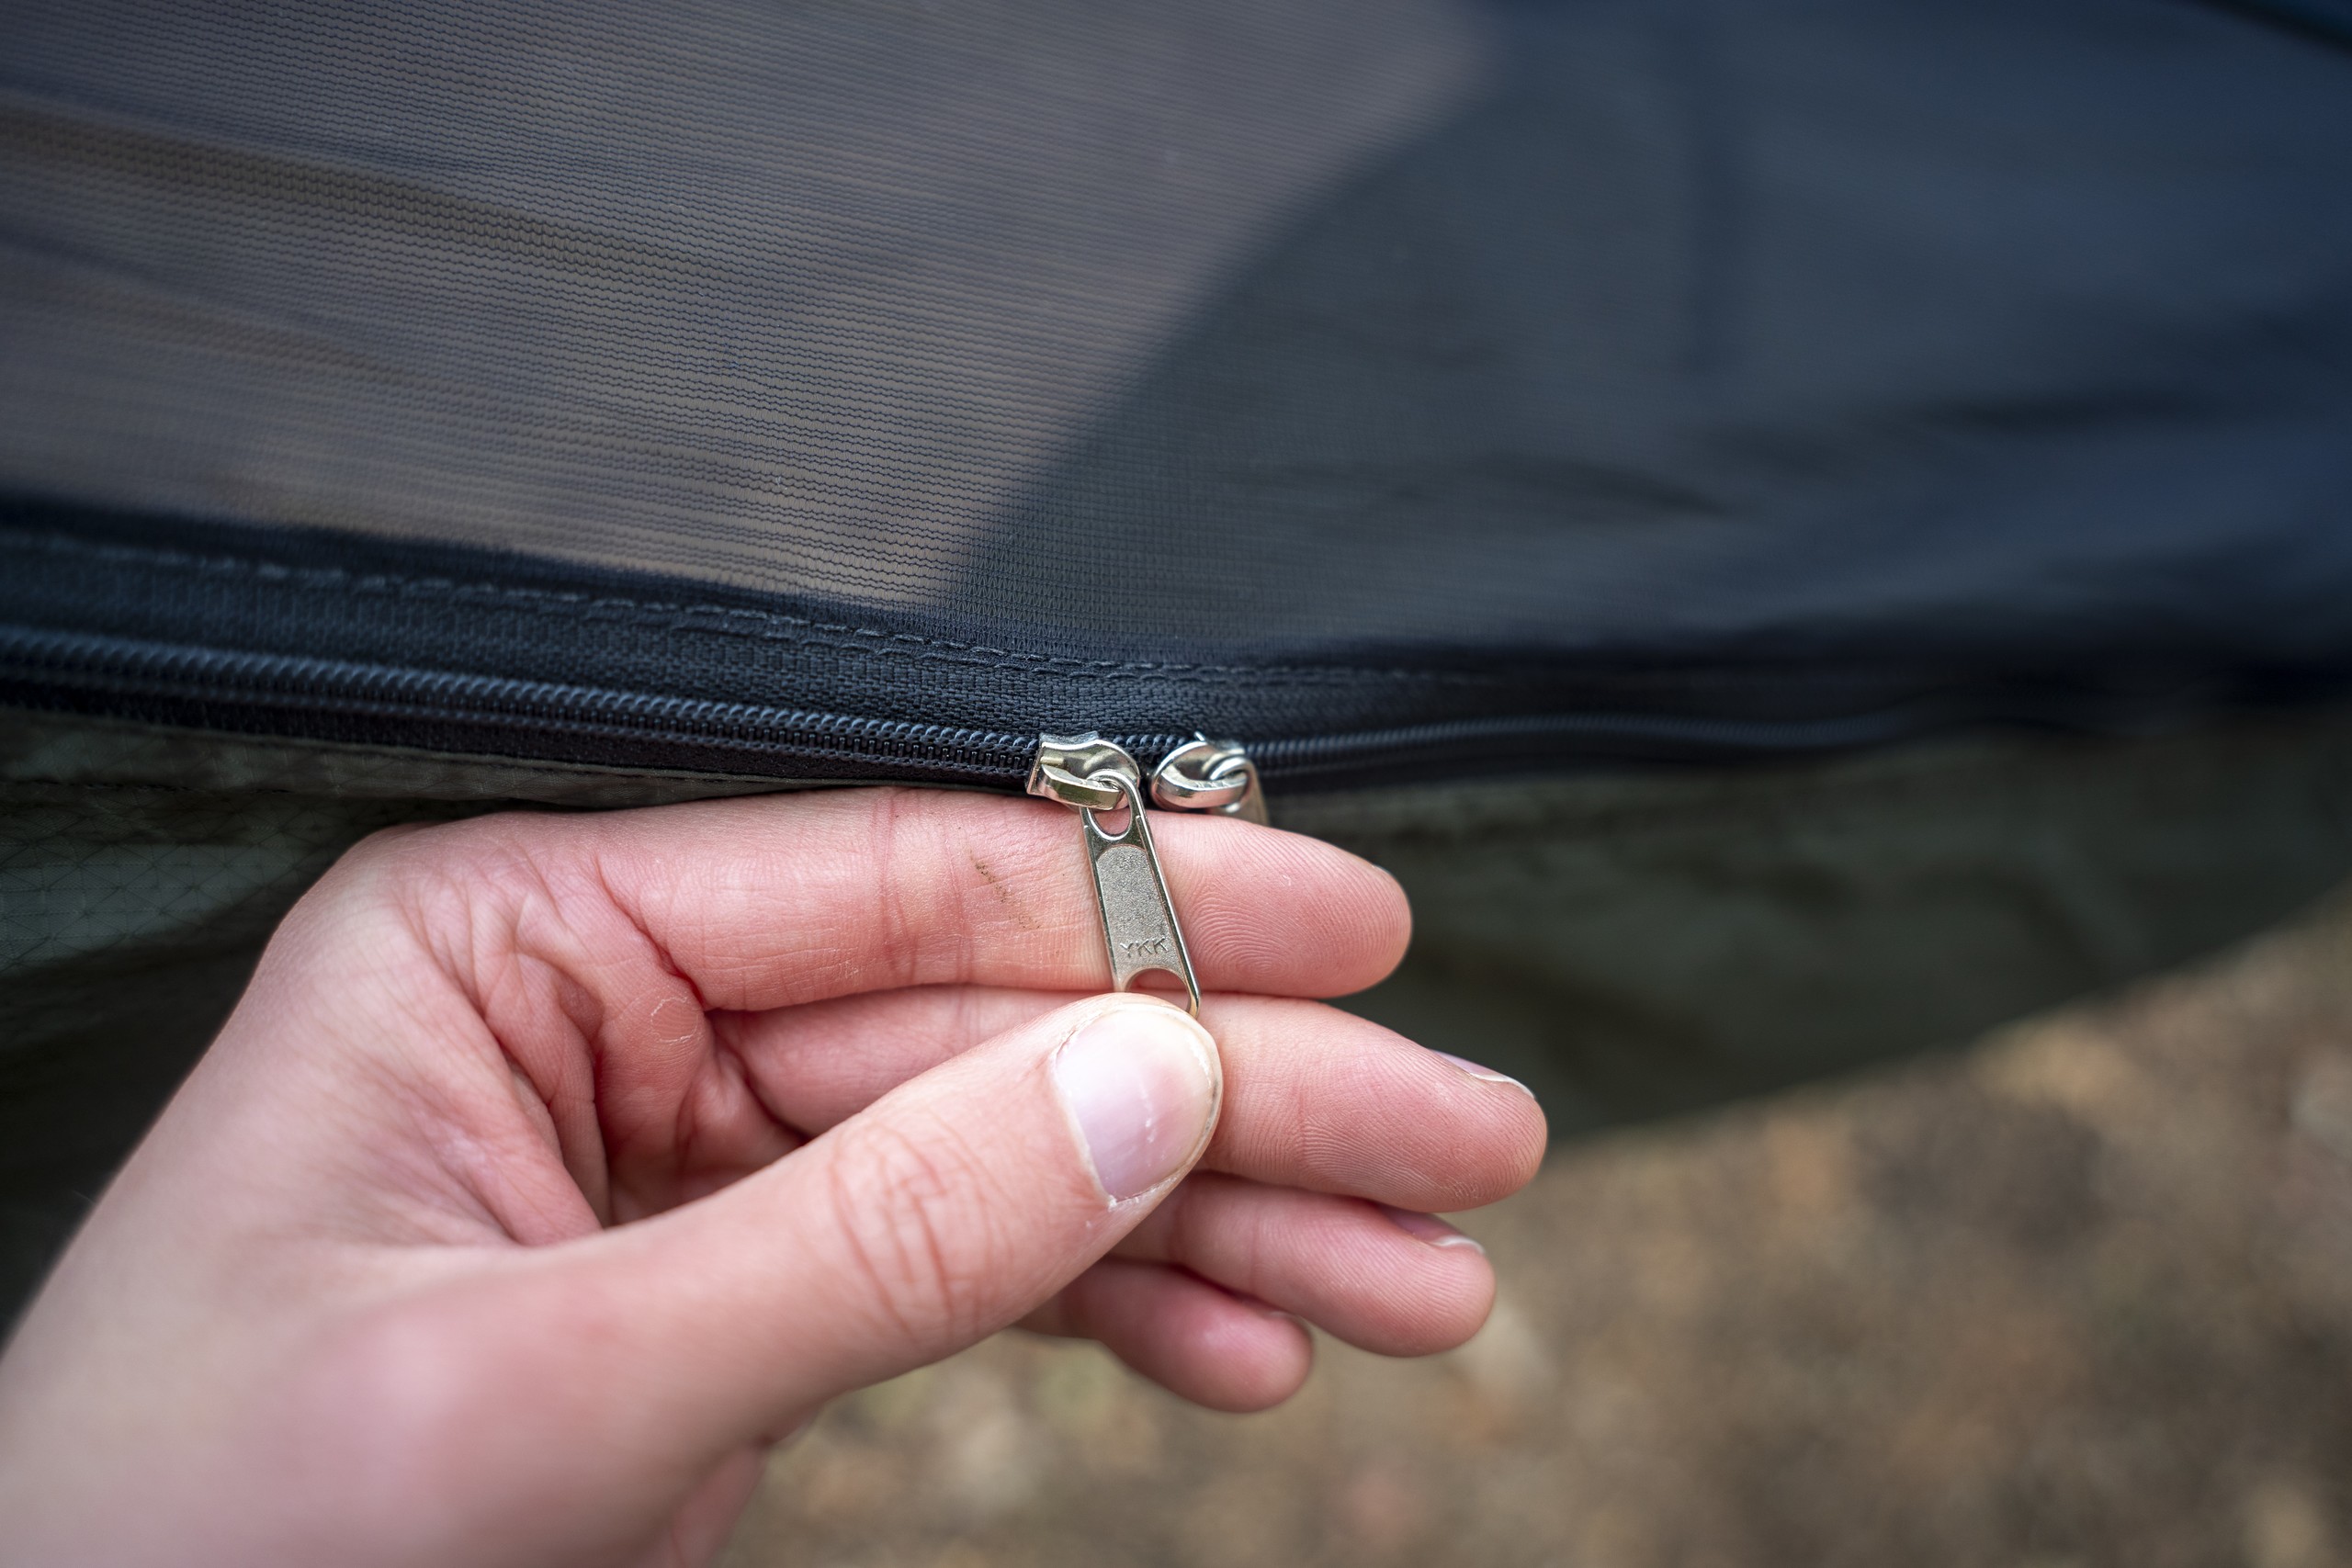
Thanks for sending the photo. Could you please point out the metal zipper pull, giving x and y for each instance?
(1210, 775)
(1139, 925)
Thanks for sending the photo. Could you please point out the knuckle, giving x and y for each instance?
(416, 869)
(460, 900)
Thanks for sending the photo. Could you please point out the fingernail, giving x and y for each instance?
(1430, 1228)
(1141, 1082)
(1475, 1071)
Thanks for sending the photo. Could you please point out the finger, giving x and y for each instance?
(1313, 1096)
(702, 1523)
(1184, 1334)
(1384, 1279)
(766, 903)
(945, 1212)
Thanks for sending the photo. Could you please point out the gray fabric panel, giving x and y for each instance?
(788, 297)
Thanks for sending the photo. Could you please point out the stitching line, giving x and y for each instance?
(732, 621)
(871, 641)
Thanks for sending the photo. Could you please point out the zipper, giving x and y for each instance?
(331, 699)
(1098, 778)
(385, 648)
(376, 704)
(385, 705)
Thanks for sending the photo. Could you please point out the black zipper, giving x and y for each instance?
(342, 700)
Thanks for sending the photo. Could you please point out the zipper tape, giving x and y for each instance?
(338, 700)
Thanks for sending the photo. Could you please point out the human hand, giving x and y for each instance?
(551, 1167)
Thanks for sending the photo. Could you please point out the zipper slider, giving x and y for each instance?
(1139, 927)
(1210, 775)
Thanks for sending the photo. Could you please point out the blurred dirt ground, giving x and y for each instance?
(2079, 1296)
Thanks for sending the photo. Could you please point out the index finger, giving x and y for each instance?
(768, 902)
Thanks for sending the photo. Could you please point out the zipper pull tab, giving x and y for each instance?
(1210, 775)
(1139, 927)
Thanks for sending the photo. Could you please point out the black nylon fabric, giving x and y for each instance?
(1279, 369)
(343, 639)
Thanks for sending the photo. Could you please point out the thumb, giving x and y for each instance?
(945, 1212)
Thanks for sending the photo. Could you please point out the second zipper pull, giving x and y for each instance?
(1210, 775)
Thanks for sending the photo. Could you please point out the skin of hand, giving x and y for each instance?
(552, 1167)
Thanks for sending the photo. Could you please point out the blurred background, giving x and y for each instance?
(2080, 1295)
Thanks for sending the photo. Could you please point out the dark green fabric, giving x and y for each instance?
(141, 869)
(132, 917)
(1639, 945)
(1633, 944)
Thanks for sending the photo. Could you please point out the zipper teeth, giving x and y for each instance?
(1486, 739)
(287, 682)
(41, 664)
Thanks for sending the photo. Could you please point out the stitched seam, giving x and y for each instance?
(797, 630)
(735, 621)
